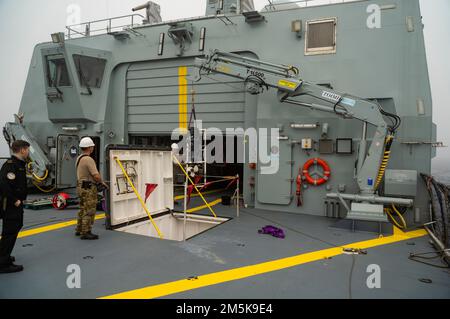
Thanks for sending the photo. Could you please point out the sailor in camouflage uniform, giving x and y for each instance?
(88, 178)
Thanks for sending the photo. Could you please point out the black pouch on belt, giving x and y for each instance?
(100, 187)
(86, 184)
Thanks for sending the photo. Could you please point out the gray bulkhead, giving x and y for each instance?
(140, 90)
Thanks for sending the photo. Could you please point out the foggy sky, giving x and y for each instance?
(24, 23)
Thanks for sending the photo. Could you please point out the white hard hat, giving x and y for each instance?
(86, 142)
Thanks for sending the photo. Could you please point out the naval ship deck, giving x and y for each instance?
(229, 261)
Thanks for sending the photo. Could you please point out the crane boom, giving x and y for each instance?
(260, 76)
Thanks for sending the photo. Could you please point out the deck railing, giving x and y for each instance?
(108, 25)
(303, 3)
(103, 26)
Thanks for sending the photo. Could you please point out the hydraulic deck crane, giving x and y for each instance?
(39, 167)
(372, 161)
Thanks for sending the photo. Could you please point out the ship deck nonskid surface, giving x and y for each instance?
(215, 264)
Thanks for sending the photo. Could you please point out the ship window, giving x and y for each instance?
(321, 37)
(57, 74)
(90, 70)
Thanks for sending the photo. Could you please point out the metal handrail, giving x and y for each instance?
(71, 29)
(306, 3)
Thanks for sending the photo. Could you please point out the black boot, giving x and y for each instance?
(11, 268)
(12, 258)
(89, 236)
(78, 234)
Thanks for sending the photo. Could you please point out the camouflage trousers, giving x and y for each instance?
(88, 208)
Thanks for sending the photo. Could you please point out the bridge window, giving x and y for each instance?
(321, 37)
(57, 74)
(90, 70)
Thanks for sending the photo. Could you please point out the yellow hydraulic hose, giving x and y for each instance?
(37, 178)
(41, 179)
(389, 213)
(399, 215)
(385, 162)
(44, 190)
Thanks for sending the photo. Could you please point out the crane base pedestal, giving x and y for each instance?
(380, 228)
(367, 212)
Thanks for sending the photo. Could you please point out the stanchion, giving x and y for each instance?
(238, 201)
(185, 209)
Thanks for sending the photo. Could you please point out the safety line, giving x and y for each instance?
(183, 285)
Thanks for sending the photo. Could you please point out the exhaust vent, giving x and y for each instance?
(153, 12)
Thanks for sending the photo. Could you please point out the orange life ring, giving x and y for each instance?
(326, 171)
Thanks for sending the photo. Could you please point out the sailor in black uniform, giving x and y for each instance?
(13, 191)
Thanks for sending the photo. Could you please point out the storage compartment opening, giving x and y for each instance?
(171, 225)
(230, 165)
(148, 172)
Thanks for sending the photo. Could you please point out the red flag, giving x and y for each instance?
(149, 190)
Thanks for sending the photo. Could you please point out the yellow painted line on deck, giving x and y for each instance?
(182, 98)
(44, 229)
(183, 285)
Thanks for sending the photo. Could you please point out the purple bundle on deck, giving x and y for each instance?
(272, 230)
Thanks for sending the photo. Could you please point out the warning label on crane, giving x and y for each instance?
(287, 84)
(331, 96)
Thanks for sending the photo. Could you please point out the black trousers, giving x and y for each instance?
(12, 224)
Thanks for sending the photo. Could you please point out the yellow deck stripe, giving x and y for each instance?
(35, 231)
(182, 97)
(183, 285)
(44, 229)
